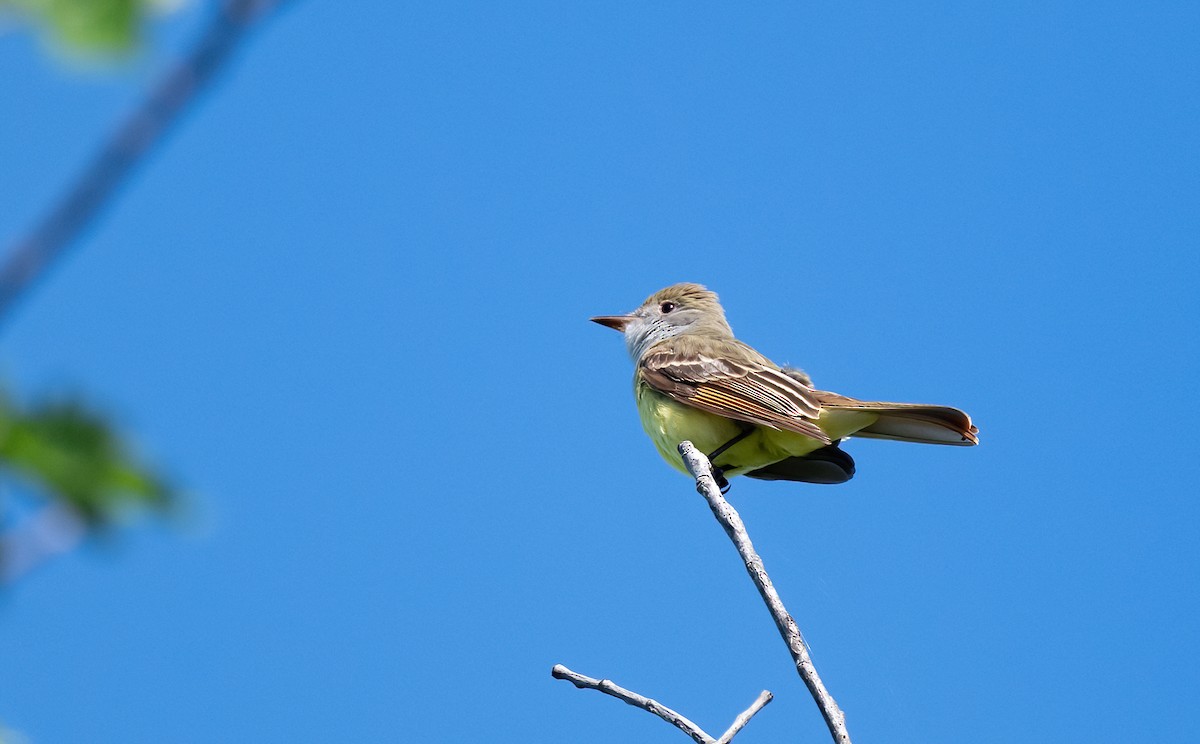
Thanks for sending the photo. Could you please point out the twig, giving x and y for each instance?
(701, 469)
(744, 717)
(608, 687)
(31, 256)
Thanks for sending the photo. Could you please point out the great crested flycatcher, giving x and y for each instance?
(693, 380)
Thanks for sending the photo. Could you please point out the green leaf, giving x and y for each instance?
(73, 455)
(90, 26)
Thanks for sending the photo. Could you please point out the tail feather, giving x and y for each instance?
(827, 465)
(907, 422)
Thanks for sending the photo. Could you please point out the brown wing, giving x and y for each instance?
(744, 388)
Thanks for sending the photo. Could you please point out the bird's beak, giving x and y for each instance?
(615, 322)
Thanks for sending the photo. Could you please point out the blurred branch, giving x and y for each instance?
(608, 687)
(54, 530)
(701, 469)
(8, 736)
(31, 256)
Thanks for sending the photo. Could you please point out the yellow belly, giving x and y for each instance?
(669, 422)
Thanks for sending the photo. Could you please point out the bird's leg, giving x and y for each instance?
(718, 473)
(747, 430)
(722, 481)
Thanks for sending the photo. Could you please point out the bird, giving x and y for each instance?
(693, 380)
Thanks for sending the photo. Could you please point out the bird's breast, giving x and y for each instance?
(668, 422)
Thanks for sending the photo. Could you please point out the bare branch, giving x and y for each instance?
(31, 256)
(744, 717)
(608, 687)
(701, 469)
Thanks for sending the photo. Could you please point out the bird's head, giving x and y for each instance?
(678, 309)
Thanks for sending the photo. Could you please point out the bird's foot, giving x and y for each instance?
(722, 481)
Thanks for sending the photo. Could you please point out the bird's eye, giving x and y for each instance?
(667, 307)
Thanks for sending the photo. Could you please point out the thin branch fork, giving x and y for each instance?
(701, 469)
(608, 687)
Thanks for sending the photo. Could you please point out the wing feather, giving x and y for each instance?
(745, 390)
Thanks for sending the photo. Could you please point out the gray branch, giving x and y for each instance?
(31, 256)
(701, 469)
(744, 717)
(608, 687)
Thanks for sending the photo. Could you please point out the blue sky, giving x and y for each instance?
(346, 306)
